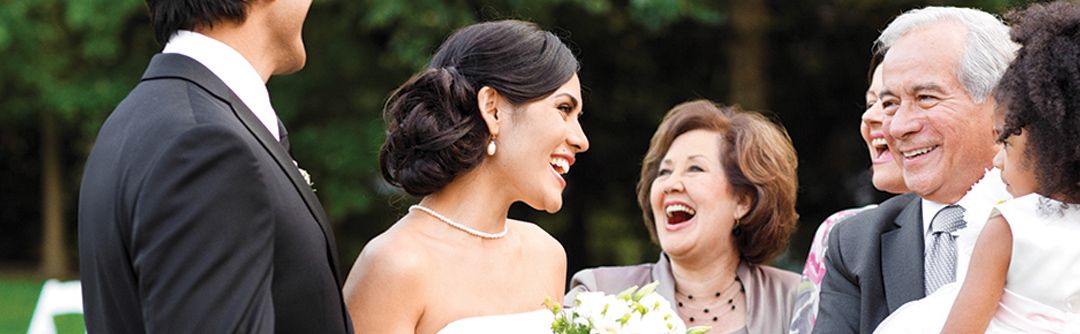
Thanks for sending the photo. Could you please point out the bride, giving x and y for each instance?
(492, 121)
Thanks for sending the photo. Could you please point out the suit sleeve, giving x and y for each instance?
(202, 238)
(838, 311)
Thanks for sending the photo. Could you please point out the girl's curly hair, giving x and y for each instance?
(1041, 94)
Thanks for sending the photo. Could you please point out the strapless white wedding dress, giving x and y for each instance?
(535, 322)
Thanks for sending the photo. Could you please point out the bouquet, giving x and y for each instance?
(638, 311)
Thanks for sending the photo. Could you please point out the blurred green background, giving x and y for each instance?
(67, 63)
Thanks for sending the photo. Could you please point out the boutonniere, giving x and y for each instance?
(307, 177)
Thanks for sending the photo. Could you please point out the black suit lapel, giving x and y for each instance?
(902, 257)
(182, 67)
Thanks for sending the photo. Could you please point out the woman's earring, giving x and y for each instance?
(491, 147)
(736, 231)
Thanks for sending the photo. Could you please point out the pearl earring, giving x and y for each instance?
(491, 147)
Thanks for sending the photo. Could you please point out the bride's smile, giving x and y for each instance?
(492, 121)
(547, 133)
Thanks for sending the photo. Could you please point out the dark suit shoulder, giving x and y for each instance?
(876, 220)
(175, 100)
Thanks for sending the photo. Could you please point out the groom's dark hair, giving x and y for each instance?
(168, 16)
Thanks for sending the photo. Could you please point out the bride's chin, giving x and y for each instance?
(553, 206)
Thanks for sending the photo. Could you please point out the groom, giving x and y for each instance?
(193, 216)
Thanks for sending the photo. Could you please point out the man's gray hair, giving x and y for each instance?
(988, 49)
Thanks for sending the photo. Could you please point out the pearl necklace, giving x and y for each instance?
(461, 227)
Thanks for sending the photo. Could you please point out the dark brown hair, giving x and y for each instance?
(876, 57)
(168, 16)
(1040, 93)
(434, 131)
(758, 160)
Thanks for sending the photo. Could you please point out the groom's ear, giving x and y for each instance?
(488, 101)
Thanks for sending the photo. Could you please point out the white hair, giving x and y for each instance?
(987, 53)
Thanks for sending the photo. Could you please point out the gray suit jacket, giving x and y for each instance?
(770, 292)
(874, 264)
(193, 218)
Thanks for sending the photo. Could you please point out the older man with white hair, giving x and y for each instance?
(940, 68)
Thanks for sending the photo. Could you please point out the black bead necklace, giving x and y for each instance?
(723, 301)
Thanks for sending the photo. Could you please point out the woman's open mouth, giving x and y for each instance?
(678, 213)
(881, 151)
(560, 165)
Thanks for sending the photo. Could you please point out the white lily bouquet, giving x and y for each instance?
(637, 311)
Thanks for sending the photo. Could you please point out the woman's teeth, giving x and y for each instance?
(561, 166)
(675, 208)
(678, 213)
(879, 143)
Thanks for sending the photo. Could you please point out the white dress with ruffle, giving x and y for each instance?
(1042, 286)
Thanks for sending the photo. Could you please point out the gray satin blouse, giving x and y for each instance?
(770, 292)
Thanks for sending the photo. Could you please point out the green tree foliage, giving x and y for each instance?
(64, 63)
(73, 58)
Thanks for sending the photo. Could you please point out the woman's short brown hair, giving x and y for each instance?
(758, 160)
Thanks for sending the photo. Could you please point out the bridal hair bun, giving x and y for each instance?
(434, 131)
(1040, 93)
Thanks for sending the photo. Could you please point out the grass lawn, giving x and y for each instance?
(18, 296)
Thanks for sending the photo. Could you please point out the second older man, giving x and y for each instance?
(941, 65)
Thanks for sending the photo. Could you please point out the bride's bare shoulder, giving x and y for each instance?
(386, 289)
(392, 258)
(396, 248)
(538, 241)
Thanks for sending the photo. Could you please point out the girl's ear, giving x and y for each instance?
(488, 101)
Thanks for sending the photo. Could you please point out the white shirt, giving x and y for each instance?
(978, 202)
(232, 68)
(929, 210)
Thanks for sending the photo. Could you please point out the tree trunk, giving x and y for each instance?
(746, 54)
(54, 259)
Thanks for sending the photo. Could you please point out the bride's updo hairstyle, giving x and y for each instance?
(434, 129)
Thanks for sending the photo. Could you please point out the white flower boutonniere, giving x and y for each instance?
(307, 177)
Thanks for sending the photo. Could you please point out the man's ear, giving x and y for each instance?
(487, 100)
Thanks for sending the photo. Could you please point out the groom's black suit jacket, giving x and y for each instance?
(193, 218)
(874, 264)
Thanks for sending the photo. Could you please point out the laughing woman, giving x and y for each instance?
(717, 192)
(492, 121)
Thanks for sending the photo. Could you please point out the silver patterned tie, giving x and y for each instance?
(941, 247)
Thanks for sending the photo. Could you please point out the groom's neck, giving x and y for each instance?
(247, 39)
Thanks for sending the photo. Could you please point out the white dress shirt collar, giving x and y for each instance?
(232, 68)
(929, 210)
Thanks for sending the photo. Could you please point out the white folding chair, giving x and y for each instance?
(56, 298)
